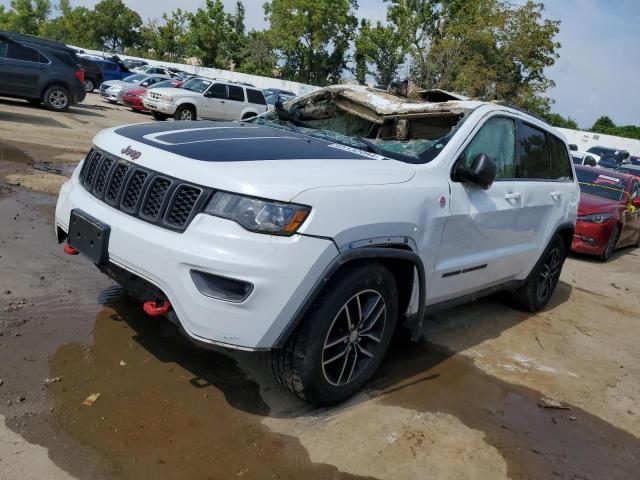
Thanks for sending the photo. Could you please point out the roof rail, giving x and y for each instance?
(513, 106)
(35, 40)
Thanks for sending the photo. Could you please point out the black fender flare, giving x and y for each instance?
(344, 258)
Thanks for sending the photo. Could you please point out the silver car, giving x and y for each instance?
(114, 90)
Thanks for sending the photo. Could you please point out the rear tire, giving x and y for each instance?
(185, 113)
(343, 337)
(611, 245)
(535, 293)
(57, 98)
(89, 86)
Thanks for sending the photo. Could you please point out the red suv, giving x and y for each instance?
(608, 213)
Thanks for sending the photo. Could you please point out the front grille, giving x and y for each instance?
(153, 95)
(184, 199)
(153, 197)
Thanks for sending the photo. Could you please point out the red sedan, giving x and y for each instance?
(133, 98)
(608, 213)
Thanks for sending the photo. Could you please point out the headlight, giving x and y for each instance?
(263, 216)
(167, 99)
(596, 218)
(115, 88)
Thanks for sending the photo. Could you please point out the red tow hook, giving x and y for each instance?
(69, 250)
(156, 308)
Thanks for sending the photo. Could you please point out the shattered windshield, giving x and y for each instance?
(410, 136)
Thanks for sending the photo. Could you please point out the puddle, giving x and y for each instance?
(58, 169)
(167, 409)
(535, 442)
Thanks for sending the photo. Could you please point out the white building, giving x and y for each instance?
(586, 140)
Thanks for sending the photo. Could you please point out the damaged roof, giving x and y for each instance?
(376, 105)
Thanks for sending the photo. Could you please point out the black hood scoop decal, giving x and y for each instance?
(235, 142)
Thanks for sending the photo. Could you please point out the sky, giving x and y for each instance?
(598, 72)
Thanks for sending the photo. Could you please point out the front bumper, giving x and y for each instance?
(282, 270)
(134, 103)
(592, 238)
(111, 96)
(156, 106)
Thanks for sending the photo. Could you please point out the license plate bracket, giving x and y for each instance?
(89, 236)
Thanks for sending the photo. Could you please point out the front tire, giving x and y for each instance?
(185, 113)
(534, 295)
(611, 245)
(57, 98)
(342, 339)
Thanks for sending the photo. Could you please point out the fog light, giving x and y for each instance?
(588, 240)
(222, 288)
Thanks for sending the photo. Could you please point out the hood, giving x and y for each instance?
(594, 204)
(136, 91)
(111, 83)
(251, 159)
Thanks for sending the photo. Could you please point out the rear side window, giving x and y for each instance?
(110, 66)
(560, 168)
(65, 58)
(255, 96)
(236, 93)
(496, 139)
(27, 54)
(532, 153)
(3, 49)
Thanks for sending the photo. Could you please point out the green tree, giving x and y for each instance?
(115, 26)
(492, 49)
(208, 33)
(173, 41)
(605, 125)
(558, 120)
(312, 37)
(236, 40)
(72, 26)
(25, 16)
(382, 46)
(259, 56)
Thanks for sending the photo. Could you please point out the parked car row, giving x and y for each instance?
(194, 99)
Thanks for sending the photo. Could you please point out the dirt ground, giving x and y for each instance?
(467, 401)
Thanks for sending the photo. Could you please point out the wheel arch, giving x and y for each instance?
(403, 263)
(187, 103)
(54, 83)
(566, 231)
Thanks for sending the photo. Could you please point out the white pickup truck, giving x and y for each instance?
(203, 98)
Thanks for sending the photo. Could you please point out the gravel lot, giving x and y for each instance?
(470, 400)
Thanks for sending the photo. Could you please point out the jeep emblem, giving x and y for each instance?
(131, 153)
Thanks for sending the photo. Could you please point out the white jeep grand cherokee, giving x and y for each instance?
(317, 229)
(205, 98)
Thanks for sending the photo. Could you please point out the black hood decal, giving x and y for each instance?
(236, 142)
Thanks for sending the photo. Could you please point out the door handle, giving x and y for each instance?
(555, 195)
(513, 196)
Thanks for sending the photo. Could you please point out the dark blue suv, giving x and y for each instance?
(40, 71)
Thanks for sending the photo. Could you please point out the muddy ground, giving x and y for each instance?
(464, 402)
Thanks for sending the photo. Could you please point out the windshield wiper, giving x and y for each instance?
(375, 148)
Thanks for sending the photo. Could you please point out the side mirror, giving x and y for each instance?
(482, 172)
(636, 202)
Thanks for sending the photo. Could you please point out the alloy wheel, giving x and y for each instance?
(58, 99)
(353, 337)
(186, 115)
(549, 274)
(88, 86)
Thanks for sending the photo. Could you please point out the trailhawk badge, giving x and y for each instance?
(131, 153)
